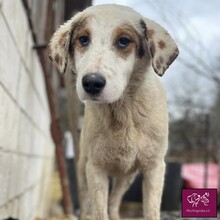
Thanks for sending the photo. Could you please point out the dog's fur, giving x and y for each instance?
(126, 126)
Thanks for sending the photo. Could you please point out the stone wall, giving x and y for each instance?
(26, 147)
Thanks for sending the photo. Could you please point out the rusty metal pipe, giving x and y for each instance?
(57, 136)
(55, 127)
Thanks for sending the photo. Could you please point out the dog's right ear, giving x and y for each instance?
(59, 45)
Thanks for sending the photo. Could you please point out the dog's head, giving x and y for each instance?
(104, 44)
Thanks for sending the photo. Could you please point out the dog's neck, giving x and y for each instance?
(127, 111)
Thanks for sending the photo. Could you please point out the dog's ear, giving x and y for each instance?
(59, 45)
(162, 47)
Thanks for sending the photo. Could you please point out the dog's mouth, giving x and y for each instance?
(98, 99)
(94, 99)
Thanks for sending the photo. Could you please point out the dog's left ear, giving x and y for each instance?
(162, 47)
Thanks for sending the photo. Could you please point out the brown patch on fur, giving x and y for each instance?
(161, 44)
(142, 48)
(158, 64)
(144, 28)
(51, 59)
(150, 33)
(176, 50)
(129, 32)
(161, 59)
(152, 48)
(49, 52)
(58, 59)
(78, 29)
(77, 45)
(124, 53)
(138, 41)
(173, 56)
(63, 38)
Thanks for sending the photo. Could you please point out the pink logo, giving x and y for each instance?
(199, 203)
(195, 198)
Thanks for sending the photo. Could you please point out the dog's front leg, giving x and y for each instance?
(152, 189)
(121, 185)
(98, 189)
(83, 187)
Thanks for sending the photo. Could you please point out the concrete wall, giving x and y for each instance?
(26, 148)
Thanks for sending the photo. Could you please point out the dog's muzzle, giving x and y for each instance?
(93, 83)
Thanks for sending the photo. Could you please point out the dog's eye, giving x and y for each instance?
(84, 41)
(123, 42)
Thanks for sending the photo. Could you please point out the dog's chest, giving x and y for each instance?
(121, 160)
(119, 152)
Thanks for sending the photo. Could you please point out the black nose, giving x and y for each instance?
(93, 83)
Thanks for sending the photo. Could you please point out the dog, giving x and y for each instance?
(116, 55)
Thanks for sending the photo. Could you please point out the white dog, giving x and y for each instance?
(112, 50)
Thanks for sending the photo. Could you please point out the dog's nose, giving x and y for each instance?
(93, 83)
